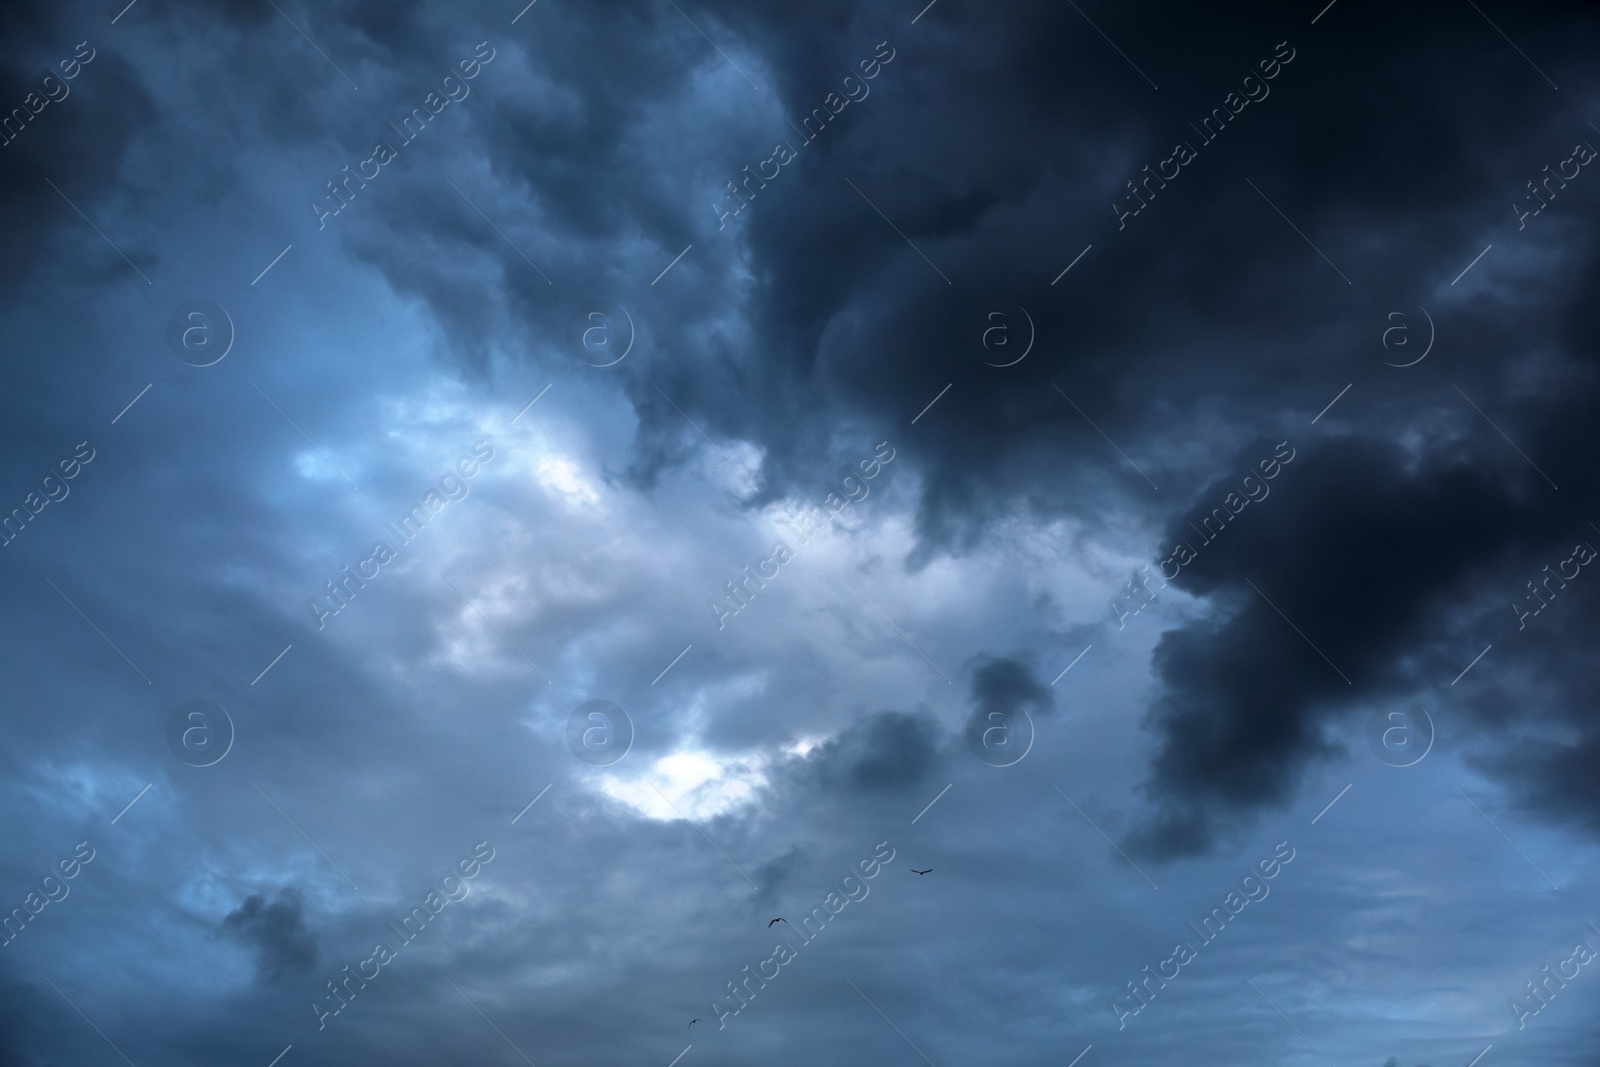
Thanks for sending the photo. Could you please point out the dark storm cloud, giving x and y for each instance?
(72, 132)
(1001, 172)
(884, 751)
(835, 282)
(1196, 338)
(1377, 543)
(1003, 690)
(277, 932)
(1396, 567)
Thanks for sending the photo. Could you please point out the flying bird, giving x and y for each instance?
(928, 871)
(693, 1021)
(779, 919)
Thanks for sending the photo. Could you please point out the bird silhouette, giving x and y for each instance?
(779, 919)
(693, 1021)
(928, 871)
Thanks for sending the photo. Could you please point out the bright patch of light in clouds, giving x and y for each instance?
(698, 784)
(567, 478)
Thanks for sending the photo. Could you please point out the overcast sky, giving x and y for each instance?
(500, 504)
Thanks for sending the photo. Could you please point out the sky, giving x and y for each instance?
(683, 533)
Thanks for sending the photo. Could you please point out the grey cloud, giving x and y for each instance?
(794, 340)
(276, 932)
(887, 750)
(1003, 689)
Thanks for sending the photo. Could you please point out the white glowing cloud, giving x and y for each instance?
(690, 784)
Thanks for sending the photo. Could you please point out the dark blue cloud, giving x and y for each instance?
(1015, 563)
